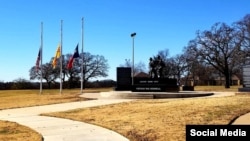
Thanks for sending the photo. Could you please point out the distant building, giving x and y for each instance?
(216, 80)
(142, 74)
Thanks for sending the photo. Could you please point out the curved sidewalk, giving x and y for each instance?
(58, 129)
(242, 120)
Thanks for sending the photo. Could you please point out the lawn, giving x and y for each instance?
(10, 131)
(25, 98)
(161, 120)
(217, 88)
(28, 98)
(142, 120)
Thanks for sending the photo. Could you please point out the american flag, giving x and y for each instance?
(38, 60)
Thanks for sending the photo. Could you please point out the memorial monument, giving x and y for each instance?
(246, 79)
(156, 82)
(123, 77)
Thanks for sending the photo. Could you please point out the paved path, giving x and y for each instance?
(243, 120)
(58, 129)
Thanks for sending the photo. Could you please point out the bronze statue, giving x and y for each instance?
(156, 67)
(152, 65)
(161, 66)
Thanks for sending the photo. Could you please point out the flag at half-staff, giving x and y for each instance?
(38, 60)
(75, 55)
(57, 55)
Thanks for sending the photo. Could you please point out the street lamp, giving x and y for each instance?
(133, 36)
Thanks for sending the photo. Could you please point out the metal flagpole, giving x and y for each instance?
(61, 60)
(82, 79)
(133, 36)
(41, 59)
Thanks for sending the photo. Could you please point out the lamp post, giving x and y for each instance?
(133, 36)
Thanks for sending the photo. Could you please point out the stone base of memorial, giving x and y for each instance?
(122, 88)
(123, 79)
(244, 89)
(155, 85)
(246, 79)
(188, 88)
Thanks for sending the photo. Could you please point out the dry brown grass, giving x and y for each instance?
(143, 120)
(161, 120)
(217, 88)
(10, 131)
(25, 98)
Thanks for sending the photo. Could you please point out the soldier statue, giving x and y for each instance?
(156, 67)
(161, 66)
(153, 71)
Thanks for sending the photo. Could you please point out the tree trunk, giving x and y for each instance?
(226, 73)
(227, 79)
(49, 84)
(84, 84)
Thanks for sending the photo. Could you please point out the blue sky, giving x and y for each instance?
(159, 24)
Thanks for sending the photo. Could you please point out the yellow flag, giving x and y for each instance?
(58, 54)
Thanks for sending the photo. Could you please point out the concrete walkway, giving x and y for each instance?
(242, 120)
(58, 129)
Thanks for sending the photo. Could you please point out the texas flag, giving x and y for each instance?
(75, 55)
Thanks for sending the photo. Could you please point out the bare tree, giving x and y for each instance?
(169, 70)
(179, 66)
(244, 26)
(93, 66)
(74, 74)
(196, 68)
(139, 67)
(20, 83)
(48, 73)
(220, 48)
(164, 54)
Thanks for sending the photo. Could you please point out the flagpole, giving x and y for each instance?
(61, 58)
(82, 79)
(41, 53)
